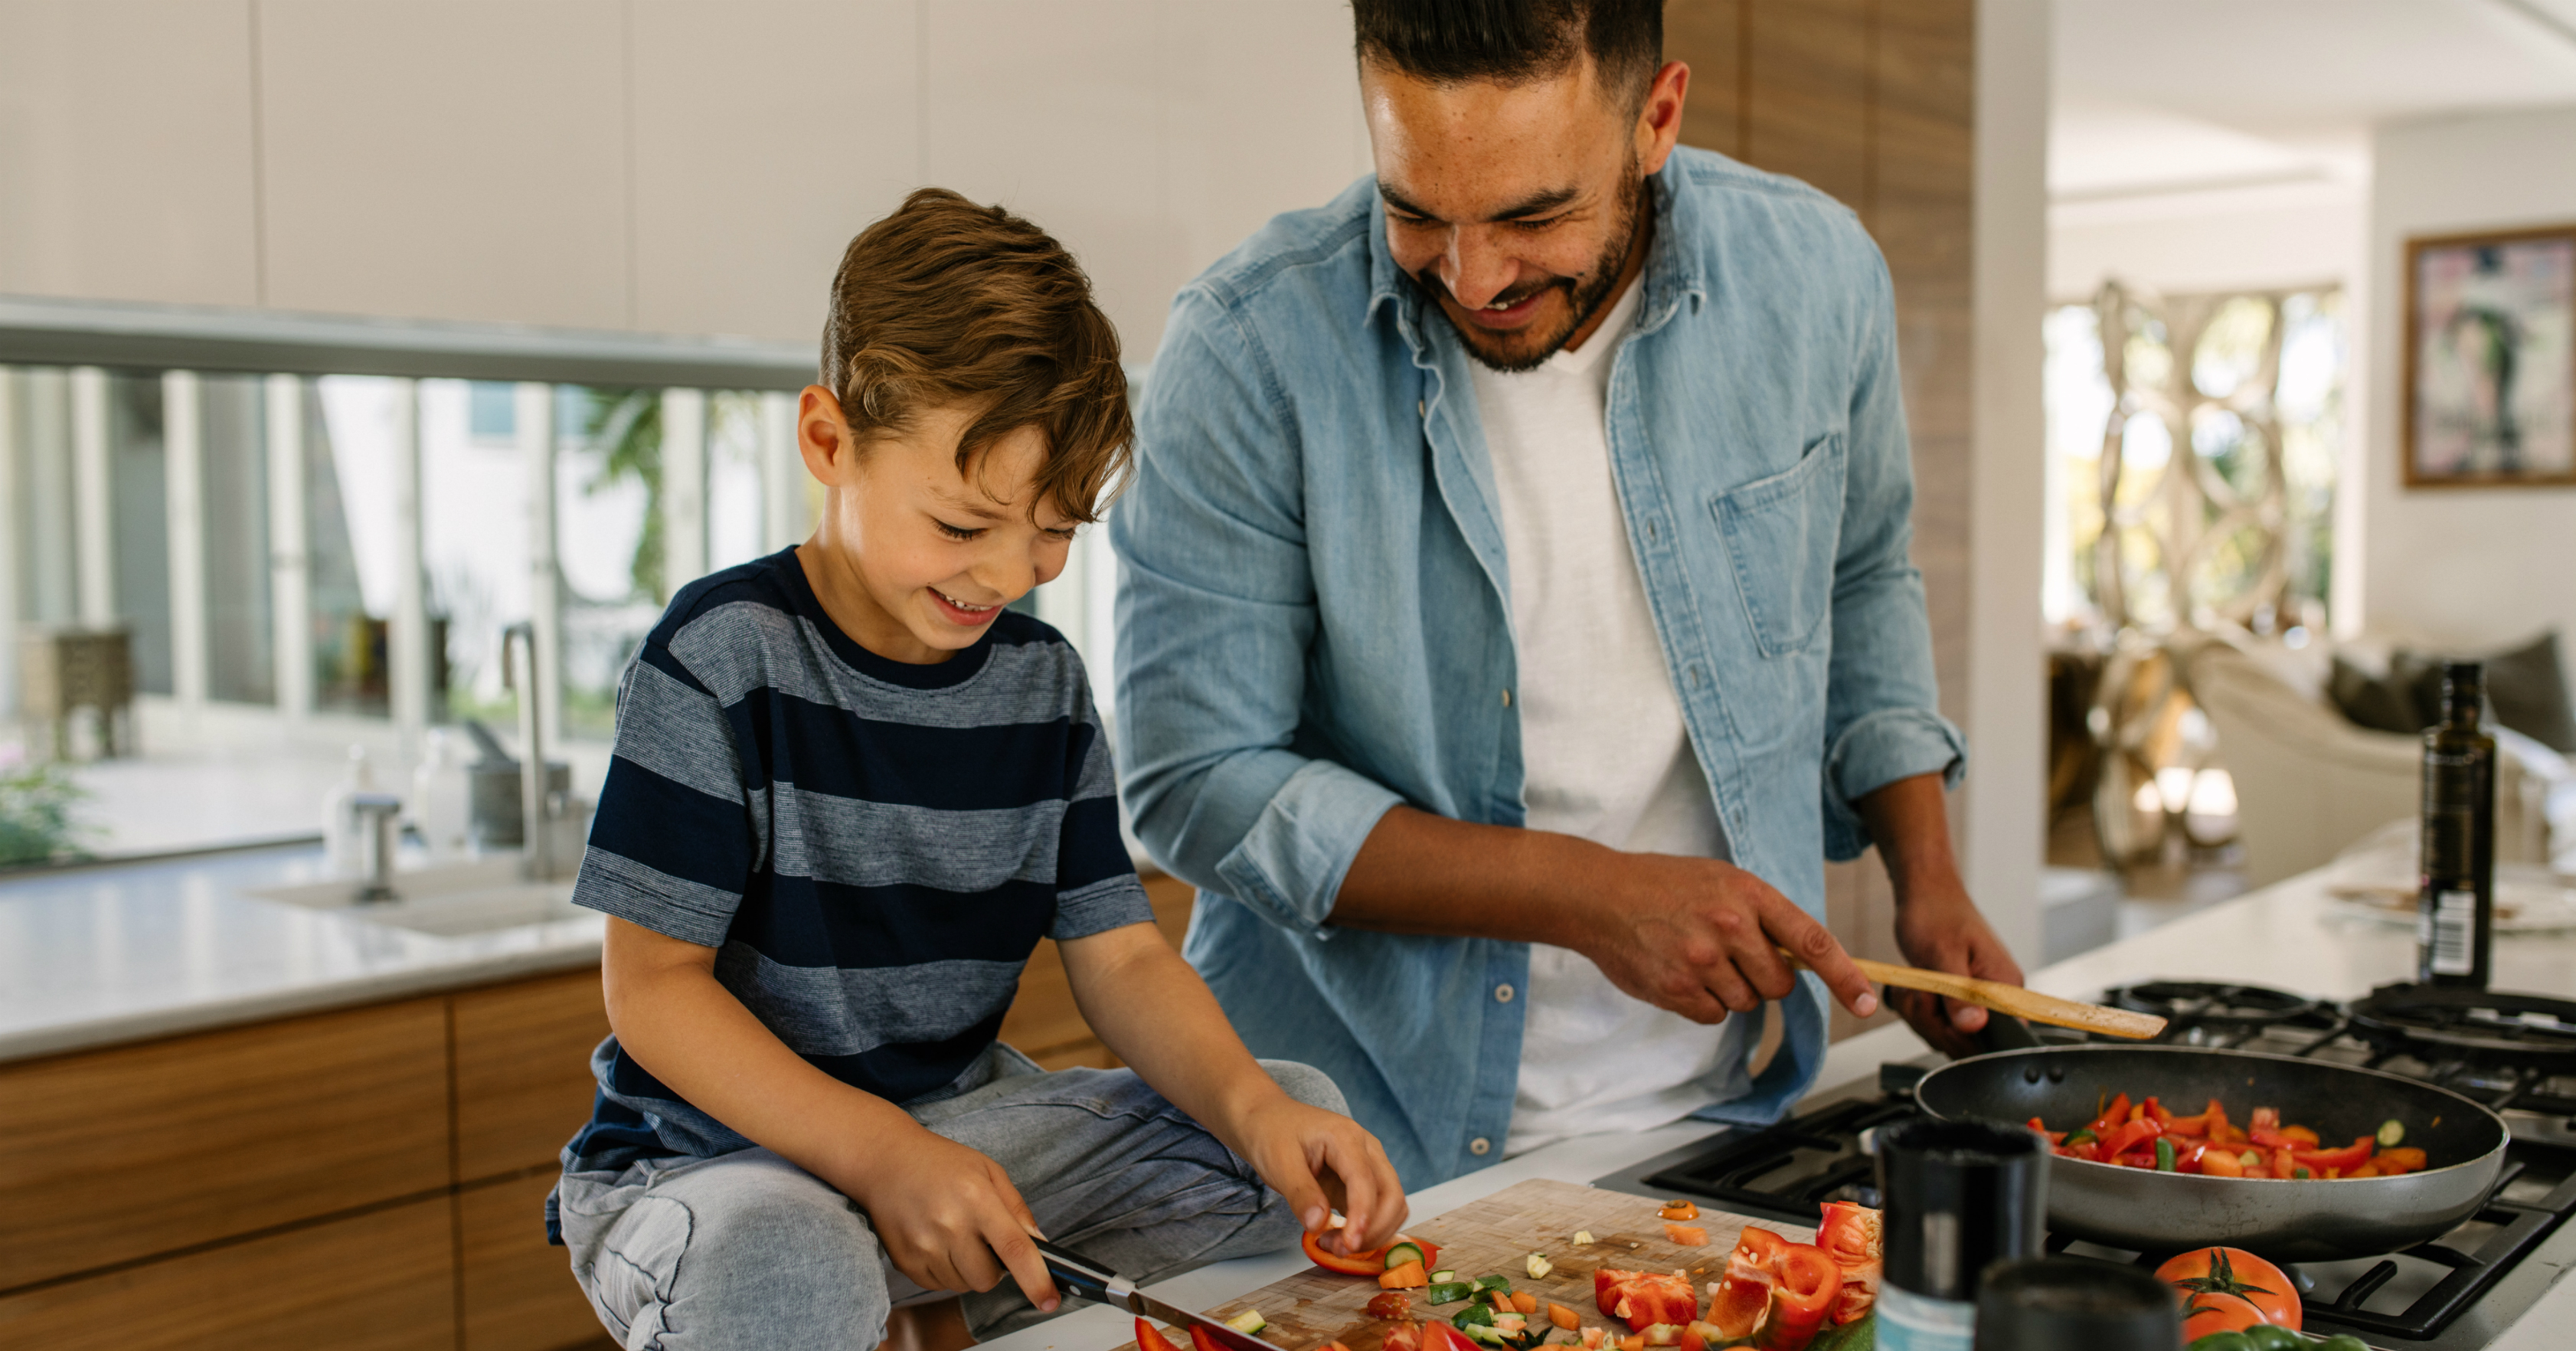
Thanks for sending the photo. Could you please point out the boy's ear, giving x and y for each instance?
(823, 435)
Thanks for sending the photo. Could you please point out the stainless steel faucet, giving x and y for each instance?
(538, 807)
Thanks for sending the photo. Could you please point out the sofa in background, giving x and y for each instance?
(2309, 781)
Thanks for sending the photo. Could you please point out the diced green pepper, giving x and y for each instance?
(2164, 1155)
(2084, 1136)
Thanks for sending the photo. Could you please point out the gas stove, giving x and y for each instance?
(2514, 1053)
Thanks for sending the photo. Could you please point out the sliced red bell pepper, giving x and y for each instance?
(1806, 1281)
(1349, 1264)
(1651, 1299)
(2349, 1157)
(1151, 1338)
(2117, 1114)
(1203, 1340)
(2120, 1140)
(1854, 1234)
(1738, 1304)
(1442, 1337)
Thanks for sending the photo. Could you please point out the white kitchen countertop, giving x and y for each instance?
(96, 956)
(2290, 935)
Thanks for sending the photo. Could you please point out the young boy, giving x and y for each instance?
(851, 791)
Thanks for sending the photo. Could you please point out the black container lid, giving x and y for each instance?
(1961, 1196)
(2059, 1303)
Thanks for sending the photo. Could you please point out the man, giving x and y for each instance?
(1516, 610)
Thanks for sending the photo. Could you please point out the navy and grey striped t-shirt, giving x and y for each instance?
(874, 847)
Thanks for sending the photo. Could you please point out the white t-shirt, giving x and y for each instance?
(1603, 751)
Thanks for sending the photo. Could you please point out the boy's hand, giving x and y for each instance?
(1317, 1161)
(943, 1212)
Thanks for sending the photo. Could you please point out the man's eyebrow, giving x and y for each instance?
(1536, 203)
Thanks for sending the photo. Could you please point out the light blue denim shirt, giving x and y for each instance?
(1314, 620)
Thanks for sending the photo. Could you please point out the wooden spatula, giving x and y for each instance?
(2012, 999)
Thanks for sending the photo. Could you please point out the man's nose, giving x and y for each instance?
(1478, 272)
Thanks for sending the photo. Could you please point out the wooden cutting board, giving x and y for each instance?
(1497, 1235)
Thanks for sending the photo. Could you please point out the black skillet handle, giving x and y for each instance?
(2003, 1032)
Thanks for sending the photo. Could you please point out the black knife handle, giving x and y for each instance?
(1078, 1275)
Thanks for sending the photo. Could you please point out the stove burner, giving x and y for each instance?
(2214, 1005)
(2482, 1026)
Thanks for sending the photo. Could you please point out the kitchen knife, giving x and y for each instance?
(1083, 1278)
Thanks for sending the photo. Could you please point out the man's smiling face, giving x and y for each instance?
(1518, 206)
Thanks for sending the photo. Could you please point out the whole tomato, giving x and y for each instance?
(2230, 1290)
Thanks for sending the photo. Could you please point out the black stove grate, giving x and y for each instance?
(2519, 1055)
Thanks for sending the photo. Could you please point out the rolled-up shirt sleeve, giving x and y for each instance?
(1882, 700)
(1216, 608)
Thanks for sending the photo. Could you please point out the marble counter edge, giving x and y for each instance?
(286, 1000)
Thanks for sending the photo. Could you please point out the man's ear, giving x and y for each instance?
(823, 435)
(1659, 122)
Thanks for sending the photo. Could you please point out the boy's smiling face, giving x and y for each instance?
(914, 560)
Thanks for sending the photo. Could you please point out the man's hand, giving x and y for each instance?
(1939, 928)
(1937, 925)
(948, 1216)
(1699, 937)
(1320, 1161)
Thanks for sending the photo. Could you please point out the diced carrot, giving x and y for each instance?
(1525, 1302)
(2307, 1138)
(1633, 1343)
(1681, 1209)
(1410, 1276)
(1563, 1317)
(1687, 1235)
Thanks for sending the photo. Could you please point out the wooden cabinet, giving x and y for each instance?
(119, 1154)
(370, 1177)
(514, 1290)
(378, 1281)
(523, 1082)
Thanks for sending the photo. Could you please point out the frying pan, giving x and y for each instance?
(2158, 1213)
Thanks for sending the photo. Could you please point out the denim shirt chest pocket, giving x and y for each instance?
(1782, 534)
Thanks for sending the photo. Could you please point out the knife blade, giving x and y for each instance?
(1081, 1277)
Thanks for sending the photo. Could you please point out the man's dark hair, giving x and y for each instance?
(1450, 41)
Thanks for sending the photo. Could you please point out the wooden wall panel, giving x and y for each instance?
(523, 1082)
(1874, 102)
(1708, 36)
(1807, 112)
(380, 1281)
(118, 1154)
(1924, 152)
(515, 1289)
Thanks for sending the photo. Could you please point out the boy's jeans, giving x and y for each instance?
(747, 1250)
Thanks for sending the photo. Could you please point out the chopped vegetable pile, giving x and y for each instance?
(1776, 1296)
(2146, 1135)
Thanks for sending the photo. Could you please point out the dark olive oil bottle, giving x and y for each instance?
(2455, 921)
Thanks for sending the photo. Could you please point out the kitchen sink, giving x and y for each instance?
(451, 901)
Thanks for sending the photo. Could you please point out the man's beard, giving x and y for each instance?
(1585, 294)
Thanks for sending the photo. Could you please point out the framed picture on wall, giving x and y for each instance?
(2491, 359)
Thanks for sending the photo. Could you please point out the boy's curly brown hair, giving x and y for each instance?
(945, 302)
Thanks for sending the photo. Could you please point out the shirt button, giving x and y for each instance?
(1480, 1146)
(1502, 994)
(1507, 698)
